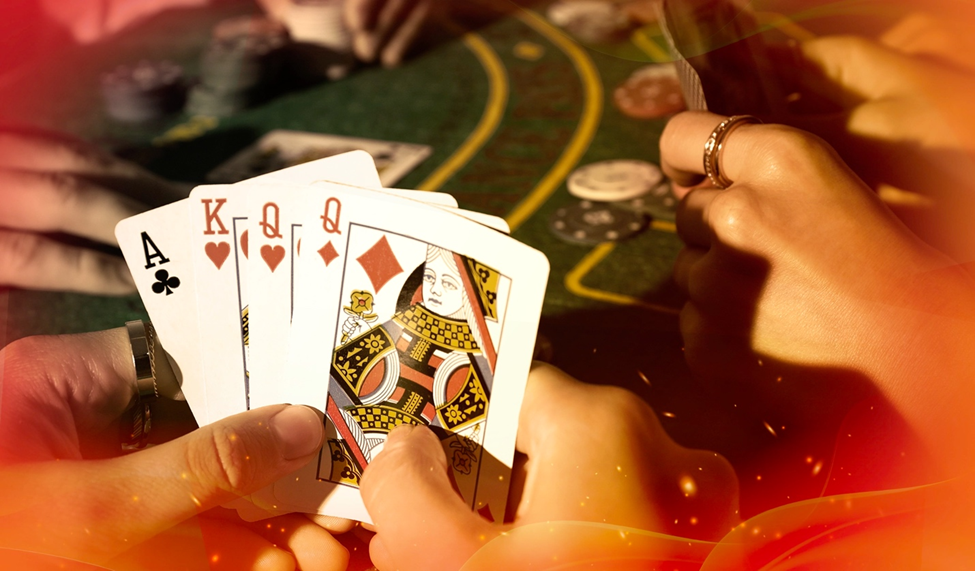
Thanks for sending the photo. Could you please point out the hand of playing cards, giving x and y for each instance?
(313, 285)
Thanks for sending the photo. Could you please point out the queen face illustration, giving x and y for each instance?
(443, 291)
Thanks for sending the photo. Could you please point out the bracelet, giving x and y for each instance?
(135, 430)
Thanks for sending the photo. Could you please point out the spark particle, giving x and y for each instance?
(644, 378)
(770, 429)
(669, 414)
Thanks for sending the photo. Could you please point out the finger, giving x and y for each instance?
(93, 374)
(124, 501)
(561, 417)
(205, 543)
(367, 44)
(687, 258)
(682, 147)
(396, 48)
(57, 202)
(361, 15)
(768, 157)
(857, 68)
(231, 546)
(314, 548)
(335, 525)
(692, 217)
(33, 261)
(42, 151)
(725, 284)
(422, 522)
(31, 149)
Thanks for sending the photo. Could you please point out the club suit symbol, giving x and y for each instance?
(165, 283)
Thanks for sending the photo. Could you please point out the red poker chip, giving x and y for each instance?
(650, 92)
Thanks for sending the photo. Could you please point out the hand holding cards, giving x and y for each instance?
(379, 307)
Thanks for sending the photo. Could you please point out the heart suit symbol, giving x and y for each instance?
(272, 255)
(217, 252)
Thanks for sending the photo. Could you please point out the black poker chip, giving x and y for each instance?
(144, 91)
(238, 66)
(660, 203)
(590, 223)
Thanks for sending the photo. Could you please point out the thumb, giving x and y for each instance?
(227, 459)
(122, 502)
(421, 522)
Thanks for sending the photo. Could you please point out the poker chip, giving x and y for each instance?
(615, 180)
(660, 203)
(592, 21)
(591, 223)
(651, 92)
(242, 59)
(144, 91)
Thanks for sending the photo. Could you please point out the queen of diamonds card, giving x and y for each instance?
(415, 344)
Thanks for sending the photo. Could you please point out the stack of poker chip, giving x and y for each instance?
(592, 21)
(239, 64)
(616, 199)
(146, 91)
(651, 92)
(323, 43)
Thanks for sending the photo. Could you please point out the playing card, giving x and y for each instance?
(274, 239)
(280, 149)
(429, 319)
(156, 246)
(220, 250)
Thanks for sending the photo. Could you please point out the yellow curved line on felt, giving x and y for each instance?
(588, 124)
(497, 101)
(573, 282)
(641, 40)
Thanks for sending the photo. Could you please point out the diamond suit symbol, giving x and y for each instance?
(380, 264)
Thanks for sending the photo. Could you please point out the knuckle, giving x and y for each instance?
(19, 355)
(730, 216)
(623, 413)
(223, 461)
(790, 152)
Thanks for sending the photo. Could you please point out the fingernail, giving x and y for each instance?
(399, 433)
(298, 430)
(366, 46)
